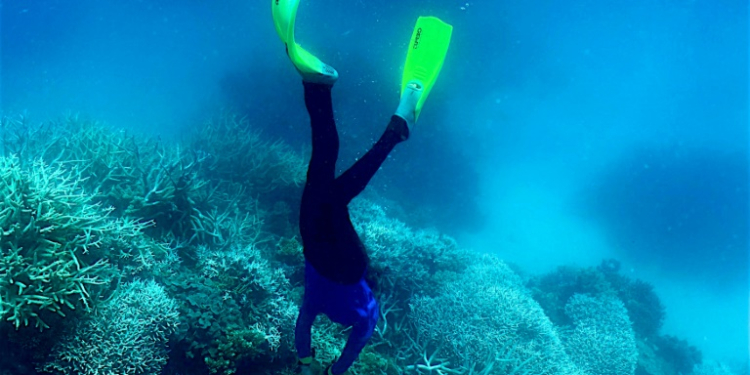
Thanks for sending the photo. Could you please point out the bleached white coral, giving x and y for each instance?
(602, 341)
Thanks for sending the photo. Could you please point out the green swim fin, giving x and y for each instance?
(284, 14)
(310, 67)
(427, 50)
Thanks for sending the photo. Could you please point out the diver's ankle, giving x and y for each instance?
(311, 68)
(328, 76)
(400, 127)
(407, 105)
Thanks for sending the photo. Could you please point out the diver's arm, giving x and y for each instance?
(358, 338)
(303, 332)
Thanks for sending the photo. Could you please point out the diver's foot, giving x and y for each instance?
(407, 106)
(325, 75)
(311, 68)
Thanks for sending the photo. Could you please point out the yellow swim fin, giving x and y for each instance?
(310, 67)
(424, 59)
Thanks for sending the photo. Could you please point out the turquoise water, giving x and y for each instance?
(559, 133)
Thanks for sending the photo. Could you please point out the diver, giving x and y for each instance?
(336, 262)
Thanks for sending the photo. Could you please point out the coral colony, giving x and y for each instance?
(125, 255)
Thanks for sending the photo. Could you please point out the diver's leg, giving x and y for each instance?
(315, 221)
(325, 139)
(356, 178)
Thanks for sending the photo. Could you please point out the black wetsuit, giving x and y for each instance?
(335, 258)
(330, 242)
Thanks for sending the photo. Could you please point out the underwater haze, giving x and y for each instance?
(560, 133)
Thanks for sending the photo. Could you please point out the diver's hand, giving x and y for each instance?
(328, 371)
(312, 368)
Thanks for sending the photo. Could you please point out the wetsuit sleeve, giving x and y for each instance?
(303, 331)
(358, 338)
(355, 179)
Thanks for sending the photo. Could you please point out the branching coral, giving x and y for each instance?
(222, 229)
(169, 191)
(137, 176)
(51, 237)
(126, 336)
(246, 275)
(241, 155)
(59, 248)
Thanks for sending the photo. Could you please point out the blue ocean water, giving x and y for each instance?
(560, 133)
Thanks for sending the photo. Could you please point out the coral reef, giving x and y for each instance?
(644, 307)
(657, 355)
(60, 249)
(554, 289)
(410, 261)
(235, 152)
(125, 254)
(501, 328)
(602, 341)
(127, 335)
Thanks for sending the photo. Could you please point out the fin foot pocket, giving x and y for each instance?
(311, 68)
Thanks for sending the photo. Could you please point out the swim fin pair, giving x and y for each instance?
(428, 48)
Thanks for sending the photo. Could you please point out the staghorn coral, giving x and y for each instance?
(127, 335)
(220, 229)
(51, 238)
(244, 274)
(602, 341)
(137, 176)
(169, 193)
(241, 155)
(59, 248)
